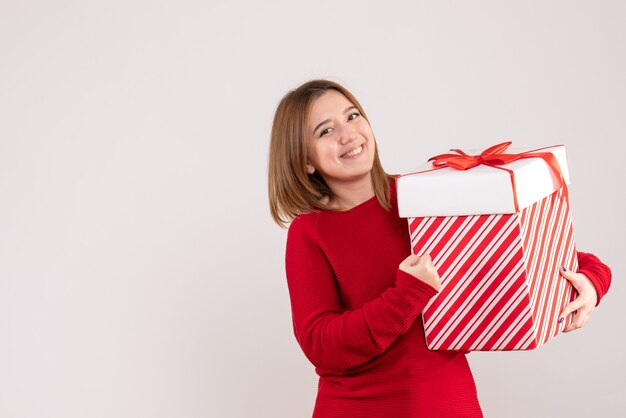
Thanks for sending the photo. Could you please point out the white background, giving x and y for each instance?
(140, 272)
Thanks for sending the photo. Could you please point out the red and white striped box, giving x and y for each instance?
(497, 238)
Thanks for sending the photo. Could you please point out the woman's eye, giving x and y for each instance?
(324, 132)
(353, 116)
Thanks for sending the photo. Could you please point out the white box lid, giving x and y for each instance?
(479, 190)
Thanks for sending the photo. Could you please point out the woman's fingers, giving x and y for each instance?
(410, 261)
(583, 305)
(581, 316)
(580, 319)
(422, 268)
(572, 277)
(573, 306)
(415, 259)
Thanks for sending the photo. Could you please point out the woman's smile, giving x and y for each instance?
(354, 153)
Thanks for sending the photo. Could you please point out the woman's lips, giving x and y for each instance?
(354, 153)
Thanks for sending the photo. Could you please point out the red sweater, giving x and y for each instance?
(357, 318)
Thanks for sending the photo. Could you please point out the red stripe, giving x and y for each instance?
(518, 312)
(437, 234)
(468, 307)
(544, 275)
(454, 257)
(540, 249)
(461, 250)
(436, 221)
(482, 276)
(494, 312)
(534, 250)
(529, 343)
(470, 231)
(448, 236)
(530, 231)
(548, 322)
(520, 297)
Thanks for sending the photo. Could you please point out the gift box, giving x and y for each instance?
(498, 229)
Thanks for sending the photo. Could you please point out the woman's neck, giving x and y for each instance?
(348, 195)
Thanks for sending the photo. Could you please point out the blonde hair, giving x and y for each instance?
(293, 191)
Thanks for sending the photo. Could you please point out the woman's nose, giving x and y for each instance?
(347, 136)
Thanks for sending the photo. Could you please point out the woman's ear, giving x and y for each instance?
(309, 168)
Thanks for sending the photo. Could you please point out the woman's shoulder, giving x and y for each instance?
(304, 218)
(304, 221)
(302, 231)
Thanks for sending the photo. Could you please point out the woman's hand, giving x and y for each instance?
(584, 304)
(421, 268)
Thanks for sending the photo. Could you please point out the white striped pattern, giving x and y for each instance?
(501, 287)
(464, 281)
(479, 286)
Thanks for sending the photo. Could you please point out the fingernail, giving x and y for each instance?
(563, 268)
(561, 320)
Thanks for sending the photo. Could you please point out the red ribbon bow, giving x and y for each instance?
(494, 157)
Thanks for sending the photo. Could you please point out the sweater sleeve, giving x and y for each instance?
(331, 337)
(598, 273)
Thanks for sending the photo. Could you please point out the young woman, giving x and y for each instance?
(356, 292)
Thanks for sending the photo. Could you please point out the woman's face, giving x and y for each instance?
(340, 142)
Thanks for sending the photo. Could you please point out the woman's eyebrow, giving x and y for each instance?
(349, 108)
(320, 124)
